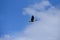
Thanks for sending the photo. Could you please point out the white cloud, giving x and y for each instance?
(47, 28)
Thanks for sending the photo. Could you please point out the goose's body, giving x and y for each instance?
(32, 19)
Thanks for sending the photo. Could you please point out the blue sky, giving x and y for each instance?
(11, 17)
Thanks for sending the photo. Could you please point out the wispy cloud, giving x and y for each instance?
(47, 28)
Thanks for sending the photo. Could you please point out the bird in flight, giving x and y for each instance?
(32, 19)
